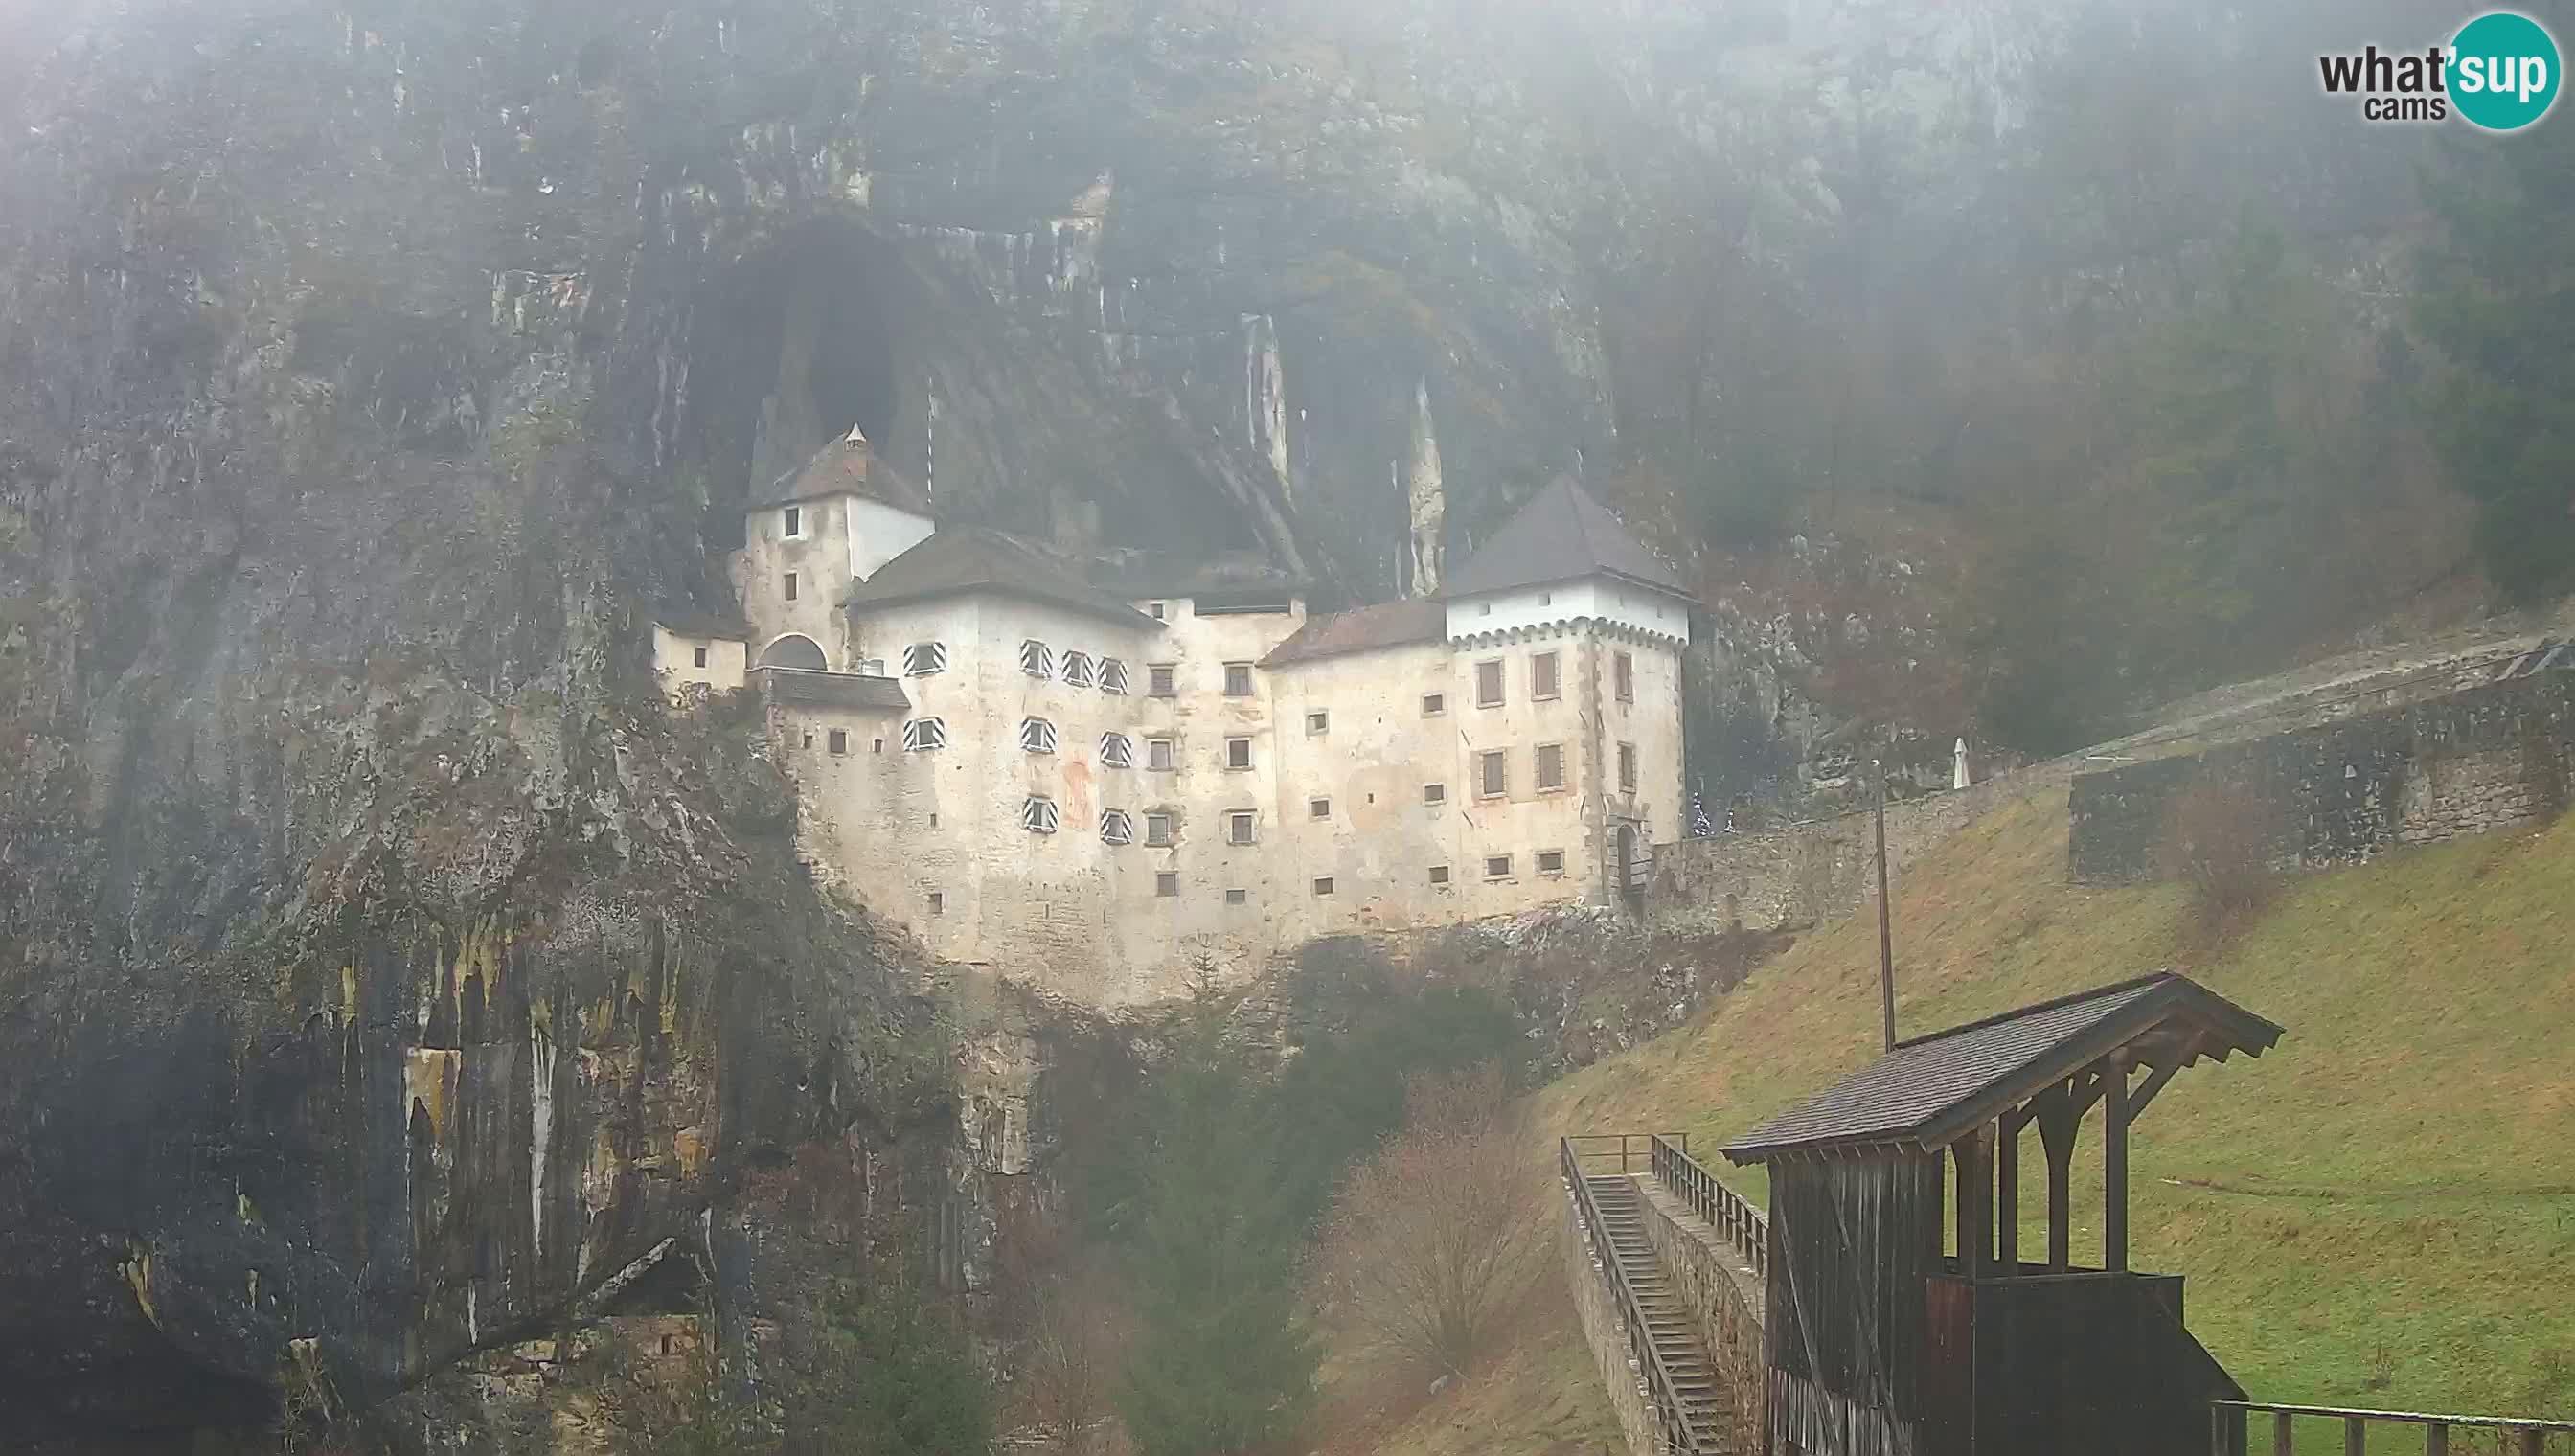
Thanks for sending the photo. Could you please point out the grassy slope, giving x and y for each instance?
(2381, 1211)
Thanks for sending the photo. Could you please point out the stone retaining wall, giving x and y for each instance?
(2487, 759)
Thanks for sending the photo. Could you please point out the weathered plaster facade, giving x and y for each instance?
(689, 657)
(1100, 788)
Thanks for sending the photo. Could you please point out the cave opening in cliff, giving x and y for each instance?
(788, 349)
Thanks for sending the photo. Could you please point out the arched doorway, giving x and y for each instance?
(795, 649)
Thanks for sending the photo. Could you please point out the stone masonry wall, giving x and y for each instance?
(1588, 1279)
(2486, 759)
(1807, 874)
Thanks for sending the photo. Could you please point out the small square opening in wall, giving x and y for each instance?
(1550, 861)
(1237, 680)
(1155, 609)
(1237, 752)
(875, 746)
(790, 585)
(1439, 875)
(698, 655)
(1158, 829)
(1318, 721)
(1167, 883)
(1433, 703)
(1160, 678)
(1157, 754)
(840, 740)
(1435, 793)
(1320, 809)
(938, 903)
(1497, 866)
(1239, 826)
(1237, 896)
(1323, 886)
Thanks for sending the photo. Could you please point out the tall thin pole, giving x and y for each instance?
(1886, 925)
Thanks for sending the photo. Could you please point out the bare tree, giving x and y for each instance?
(2223, 839)
(1427, 1236)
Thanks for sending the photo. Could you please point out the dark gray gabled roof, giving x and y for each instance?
(847, 466)
(832, 689)
(1931, 1090)
(961, 558)
(1561, 534)
(1364, 629)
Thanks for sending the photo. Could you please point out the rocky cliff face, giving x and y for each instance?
(380, 963)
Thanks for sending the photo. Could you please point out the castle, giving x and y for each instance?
(1096, 769)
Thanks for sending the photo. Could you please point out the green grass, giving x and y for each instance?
(2379, 1213)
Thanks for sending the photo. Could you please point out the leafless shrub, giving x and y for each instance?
(1427, 1235)
(2220, 840)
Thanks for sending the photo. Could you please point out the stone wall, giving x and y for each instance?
(2486, 759)
(1588, 1278)
(1724, 1298)
(1807, 874)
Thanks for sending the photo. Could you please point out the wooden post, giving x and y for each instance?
(1886, 924)
(2114, 1163)
(2283, 1438)
(2056, 1122)
(2008, 1194)
(2436, 1440)
(1975, 1204)
(2355, 1436)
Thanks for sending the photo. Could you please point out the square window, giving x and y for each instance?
(1116, 828)
(1112, 676)
(1077, 670)
(1497, 866)
(875, 746)
(1037, 735)
(794, 521)
(1116, 752)
(925, 733)
(1433, 703)
(1489, 683)
(1626, 767)
(1237, 826)
(1551, 766)
(1237, 680)
(922, 659)
(1317, 723)
(1435, 793)
(1320, 809)
(698, 655)
(1494, 772)
(1158, 678)
(1484, 608)
(1439, 875)
(1036, 659)
(1237, 752)
(790, 585)
(1323, 886)
(1167, 883)
(1158, 829)
(1155, 609)
(1550, 861)
(1546, 599)
(938, 903)
(1158, 754)
(1543, 675)
(1237, 896)
(840, 740)
(1622, 673)
(1037, 814)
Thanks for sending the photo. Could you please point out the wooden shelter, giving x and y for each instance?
(1881, 1343)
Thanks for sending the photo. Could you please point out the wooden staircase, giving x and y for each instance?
(1703, 1415)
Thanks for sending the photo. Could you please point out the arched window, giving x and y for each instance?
(794, 650)
(1112, 676)
(925, 733)
(925, 658)
(1036, 659)
(1037, 814)
(1037, 735)
(1116, 828)
(1116, 752)
(1077, 670)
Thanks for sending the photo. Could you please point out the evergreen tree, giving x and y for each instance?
(2499, 301)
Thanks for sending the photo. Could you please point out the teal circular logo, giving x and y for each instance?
(2503, 71)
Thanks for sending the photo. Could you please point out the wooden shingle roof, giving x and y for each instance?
(1932, 1089)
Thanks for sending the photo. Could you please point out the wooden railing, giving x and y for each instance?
(1680, 1439)
(1633, 1151)
(1745, 1228)
(2232, 1422)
